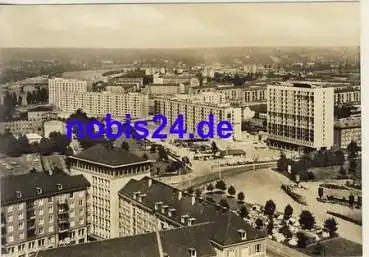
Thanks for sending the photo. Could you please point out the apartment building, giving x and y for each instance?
(148, 205)
(42, 210)
(300, 115)
(58, 86)
(176, 79)
(137, 82)
(98, 104)
(167, 89)
(347, 130)
(107, 169)
(195, 109)
(347, 96)
(194, 241)
(252, 94)
(22, 127)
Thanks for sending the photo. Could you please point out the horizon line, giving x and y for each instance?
(174, 48)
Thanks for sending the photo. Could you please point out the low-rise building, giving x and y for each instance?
(42, 210)
(41, 113)
(347, 96)
(22, 127)
(54, 126)
(347, 130)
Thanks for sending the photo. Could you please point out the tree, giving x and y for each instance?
(60, 142)
(214, 148)
(210, 187)
(190, 191)
(270, 226)
(301, 239)
(269, 208)
(353, 166)
(330, 225)
(46, 146)
(163, 155)
(282, 162)
(223, 203)
(307, 220)
(198, 192)
(288, 211)
(29, 98)
(342, 171)
(153, 149)
(231, 191)
(221, 185)
(144, 156)
(125, 145)
(240, 196)
(351, 200)
(352, 148)
(285, 230)
(243, 212)
(259, 223)
(320, 192)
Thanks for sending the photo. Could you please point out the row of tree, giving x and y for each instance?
(41, 95)
(12, 146)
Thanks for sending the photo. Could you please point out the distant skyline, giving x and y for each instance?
(181, 25)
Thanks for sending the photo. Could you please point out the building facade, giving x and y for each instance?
(40, 210)
(347, 130)
(22, 127)
(58, 86)
(300, 115)
(194, 111)
(107, 169)
(347, 96)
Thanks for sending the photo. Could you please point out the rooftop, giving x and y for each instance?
(352, 122)
(41, 109)
(27, 185)
(112, 157)
(175, 243)
(225, 232)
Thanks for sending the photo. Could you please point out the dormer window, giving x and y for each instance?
(242, 234)
(171, 211)
(193, 252)
(19, 194)
(59, 187)
(157, 205)
(140, 197)
(191, 221)
(38, 190)
(183, 218)
(163, 208)
(135, 195)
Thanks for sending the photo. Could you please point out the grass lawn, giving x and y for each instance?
(335, 247)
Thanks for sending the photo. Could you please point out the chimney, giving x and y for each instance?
(180, 194)
(193, 199)
(242, 234)
(193, 252)
(150, 182)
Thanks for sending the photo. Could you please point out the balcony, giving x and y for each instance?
(31, 233)
(64, 227)
(31, 215)
(63, 210)
(30, 207)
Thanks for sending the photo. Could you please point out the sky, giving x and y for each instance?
(181, 25)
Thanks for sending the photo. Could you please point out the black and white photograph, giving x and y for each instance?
(181, 130)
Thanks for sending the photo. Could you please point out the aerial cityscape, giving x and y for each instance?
(112, 130)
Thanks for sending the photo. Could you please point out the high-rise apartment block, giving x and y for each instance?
(41, 210)
(70, 95)
(198, 108)
(107, 169)
(300, 115)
